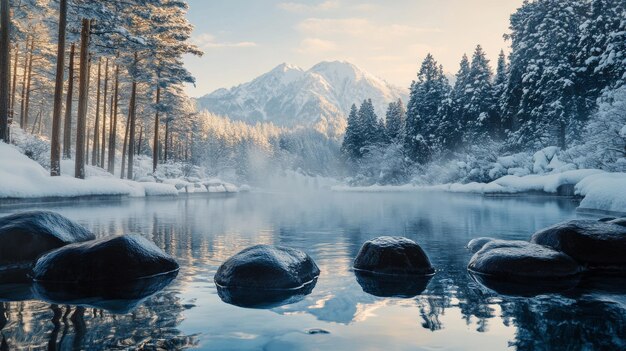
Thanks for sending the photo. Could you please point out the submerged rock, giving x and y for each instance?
(394, 256)
(114, 259)
(25, 236)
(521, 259)
(596, 244)
(267, 267)
(526, 287)
(383, 285)
(476, 244)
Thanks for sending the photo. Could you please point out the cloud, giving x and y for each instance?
(299, 7)
(209, 41)
(316, 45)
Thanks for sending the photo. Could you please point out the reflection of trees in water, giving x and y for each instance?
(36, 325)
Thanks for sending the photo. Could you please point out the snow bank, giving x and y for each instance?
(22, 177)
(605, 192)
(601, 191)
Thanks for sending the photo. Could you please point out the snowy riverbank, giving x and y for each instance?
(600, 190)
(21, 177)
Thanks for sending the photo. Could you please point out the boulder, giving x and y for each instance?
(25, 236)
(521, 259)
(596, 244)
(394, 256)
(265, 267)
(476, 244)
(115, 259)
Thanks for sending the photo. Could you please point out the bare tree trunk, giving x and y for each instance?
(55, 147)
(37, 122)
(83, 99)
(132, 115)
(96, 127)
(67, 127)
(113, 120)
(167, 136)
(29, 80)
(14, 85)
(5, 69)
(87, 147)
(104, 113)
(155, 150)
(124, 147)
(140, 141)
(24, 76)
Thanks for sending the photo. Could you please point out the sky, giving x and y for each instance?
(243, 39)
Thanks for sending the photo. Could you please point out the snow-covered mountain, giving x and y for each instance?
(290, 96)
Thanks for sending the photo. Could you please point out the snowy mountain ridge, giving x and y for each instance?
(290, 96)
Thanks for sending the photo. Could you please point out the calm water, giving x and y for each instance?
(452, 313)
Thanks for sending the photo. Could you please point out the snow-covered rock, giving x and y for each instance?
(603, 191)
(393, 256)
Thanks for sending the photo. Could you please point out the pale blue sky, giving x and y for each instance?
(245, 38)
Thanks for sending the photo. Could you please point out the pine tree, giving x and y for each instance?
(395, 120)
(479, 119)
(499, 96)
(425, 111)
(351, 146)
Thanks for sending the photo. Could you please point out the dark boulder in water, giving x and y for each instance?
(266, 267)
(521, 259)
(383, 285)
(119, 298)
(476, 244)
(115, 259)
(25, 236)
(393, 256)
(596, 244)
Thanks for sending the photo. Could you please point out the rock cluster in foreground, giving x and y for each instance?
(49, 257)
(557, 254)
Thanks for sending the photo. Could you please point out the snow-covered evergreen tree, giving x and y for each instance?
(352, 141)
(425, 110)
(499, 96)
(395, 120)
(479, 115)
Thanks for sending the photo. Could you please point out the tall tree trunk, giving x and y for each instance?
(87, 147)
(37, 122)
(167, 136)
(113, 120)
(125, 146)
(24, 76)
(132, 116)
(67, 127)
(155, 149)
(83, 99)
(14, 84)
(55, 147)
(140, 141)
(96, 127)
(104, 113)
(5, 69)
(29, 80)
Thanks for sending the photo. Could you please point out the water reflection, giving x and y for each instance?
(451, 311)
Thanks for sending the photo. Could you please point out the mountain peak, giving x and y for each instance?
(289, 96)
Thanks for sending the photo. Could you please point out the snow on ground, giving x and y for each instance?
(601, 190)
(22, 177)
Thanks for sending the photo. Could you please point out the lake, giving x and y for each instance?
(453, 312)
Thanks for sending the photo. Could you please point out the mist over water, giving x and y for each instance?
(452, 312)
